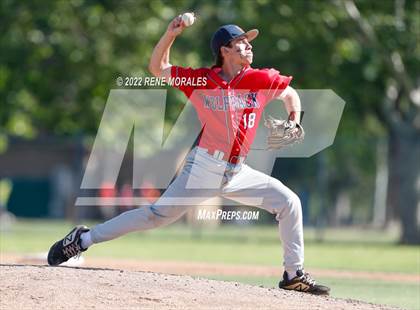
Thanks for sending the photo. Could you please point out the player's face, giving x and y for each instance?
(240, 52)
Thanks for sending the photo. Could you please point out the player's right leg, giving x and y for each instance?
(140, 219)
(68, 247)
(170, 207)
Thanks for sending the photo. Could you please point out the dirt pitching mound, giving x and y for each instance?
(43, 287)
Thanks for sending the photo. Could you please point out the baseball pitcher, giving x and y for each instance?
(229, 106)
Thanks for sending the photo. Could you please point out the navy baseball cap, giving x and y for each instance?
(227, 33)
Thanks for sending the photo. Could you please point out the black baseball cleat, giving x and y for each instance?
(303, 283)
(68, 247)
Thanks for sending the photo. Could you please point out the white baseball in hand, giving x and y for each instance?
(188, 19)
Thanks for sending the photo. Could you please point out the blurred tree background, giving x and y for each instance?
(59, 59)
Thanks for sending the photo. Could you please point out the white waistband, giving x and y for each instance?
(220, 155)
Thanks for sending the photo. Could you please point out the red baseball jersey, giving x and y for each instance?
(229, 111)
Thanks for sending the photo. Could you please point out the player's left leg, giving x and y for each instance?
(252, 187)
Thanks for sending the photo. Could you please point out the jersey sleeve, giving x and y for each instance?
(184, 79)
(277, 83)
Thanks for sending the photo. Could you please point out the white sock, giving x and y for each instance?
(86, 240)
(291, 272)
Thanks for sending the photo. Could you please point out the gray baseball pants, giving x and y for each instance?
(204, 177)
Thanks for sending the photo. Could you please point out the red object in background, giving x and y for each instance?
(149, 192)
(107, 190)
(107, 194)
(126, 191)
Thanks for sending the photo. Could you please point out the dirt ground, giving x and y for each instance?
(27, 283)
(43, 287)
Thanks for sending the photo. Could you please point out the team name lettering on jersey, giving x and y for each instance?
(232, 102)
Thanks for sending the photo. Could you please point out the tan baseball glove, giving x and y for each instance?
(283, 133)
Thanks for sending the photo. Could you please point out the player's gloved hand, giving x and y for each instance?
(283, 133)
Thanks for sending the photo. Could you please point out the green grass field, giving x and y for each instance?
(350, 249)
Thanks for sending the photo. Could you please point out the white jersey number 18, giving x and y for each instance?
(251, 120)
